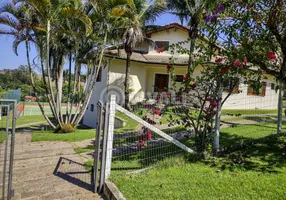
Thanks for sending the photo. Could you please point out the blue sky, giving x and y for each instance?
(8, 60)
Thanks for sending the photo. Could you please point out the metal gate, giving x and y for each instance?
(104, 141)
(7, 143)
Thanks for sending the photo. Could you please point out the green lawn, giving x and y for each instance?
(130, 123)
(78, 135)
(24, 120)
(175, 178)
(248, 112)
(255, 171)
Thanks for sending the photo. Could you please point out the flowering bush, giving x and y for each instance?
(271, 56)
(144, 138)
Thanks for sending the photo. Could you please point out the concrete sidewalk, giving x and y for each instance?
(49, 170)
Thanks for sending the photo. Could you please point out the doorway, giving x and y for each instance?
(161, 82)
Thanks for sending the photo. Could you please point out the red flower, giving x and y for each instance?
(219, 60)
(185, 77)
(209, 99)
(213, 104)
(271, 56)
(263, 73)
(245, 60)
(157, 112)
(149, 135)
(225, 69)
(168, 67)
(236, 63)
(160, 49)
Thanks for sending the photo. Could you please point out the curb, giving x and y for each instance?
(111, 192)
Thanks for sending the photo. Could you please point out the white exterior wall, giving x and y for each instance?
(173, 36)
(137, 76)
(89, 118)
(243, 101)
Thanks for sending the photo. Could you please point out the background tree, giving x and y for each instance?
(131, 22)
(258, 28)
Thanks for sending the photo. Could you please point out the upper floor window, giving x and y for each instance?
(254, 91)
(162, 45)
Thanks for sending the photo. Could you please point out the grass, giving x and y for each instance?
(130, 123)
(257, 170)
(175, 178)
(78, 135)
(80, 150)
(248, 112)
(24, 120)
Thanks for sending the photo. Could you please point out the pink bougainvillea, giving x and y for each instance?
(185, 77)
(236, 63)
(224, 69)
(157, 112)
(168, 67)
(271, 56)
(142, 142)
(219, 60)
(160, 49)
(245, 60)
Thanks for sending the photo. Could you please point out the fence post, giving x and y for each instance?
(110, 132)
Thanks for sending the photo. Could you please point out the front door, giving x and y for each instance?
(161, 82)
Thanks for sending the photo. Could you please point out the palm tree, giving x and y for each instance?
(55, 16)
(132, 22)
(18, 22)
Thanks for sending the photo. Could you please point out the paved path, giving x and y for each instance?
(49, 170)
(32, 124)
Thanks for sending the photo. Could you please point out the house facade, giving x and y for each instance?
(148, 74)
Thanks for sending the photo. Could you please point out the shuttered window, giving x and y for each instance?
(252, 91)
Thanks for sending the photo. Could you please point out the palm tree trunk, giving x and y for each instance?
(45, 82)
(127, 80)
(34, 87)
(69, 88)
(60, 79)
(193, 34)
(49, 72)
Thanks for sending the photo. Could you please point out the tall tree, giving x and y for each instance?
(259, 28)
(132, 19)
(194, 12)
(57, 25)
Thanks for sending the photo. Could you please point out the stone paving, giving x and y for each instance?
(48, 170)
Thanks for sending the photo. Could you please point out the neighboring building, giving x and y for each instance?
(149, 75)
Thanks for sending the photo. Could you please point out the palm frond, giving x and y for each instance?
(16, 44)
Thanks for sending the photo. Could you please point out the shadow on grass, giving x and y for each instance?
(266, 154)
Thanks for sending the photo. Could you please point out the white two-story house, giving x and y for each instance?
(149, 75)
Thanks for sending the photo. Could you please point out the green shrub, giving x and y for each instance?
(66, 128)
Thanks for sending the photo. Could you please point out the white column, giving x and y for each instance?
(110, 132)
